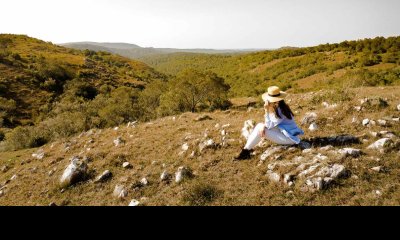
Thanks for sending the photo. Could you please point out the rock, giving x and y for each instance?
(132, 124)
(396, 119)
(52, 204)
(51, 172)
(14, 177)
(365, 122)
(39, 155)
(380, 144)
(307, 151)
(288, 178)
(309, 118)
(144, 182)
(134, 203)
(207, 145)
(319, 183)
(336, 171)
(4, 169)
(103, 177)
(273, 176)
(326, 148)
(75, 172)
(223, 133)
(226, 126)
(313, 127)
(182, 174)
(248, 128)
(358, 108)
(377, 169)
(355, 120)
(203, 118)
(127, 165)
(270, 152)
(374, 134)
(382, 123)
(217, 125)
(185, 147)
(119, 141)
(1, 193)
(327, 105)
(165, 176)
(116, 128)
(350, 152)
(398, 107)
(120, 192)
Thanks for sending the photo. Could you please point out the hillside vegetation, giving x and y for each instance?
(180, 160)
(368, 62)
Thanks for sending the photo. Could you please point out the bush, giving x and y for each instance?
(2, 136)
(201, 194)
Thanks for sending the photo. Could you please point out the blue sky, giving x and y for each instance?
(220, 24)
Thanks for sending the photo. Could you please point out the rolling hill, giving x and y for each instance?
(35, 74)
(135, 52)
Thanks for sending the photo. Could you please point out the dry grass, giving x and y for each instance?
(154, 147)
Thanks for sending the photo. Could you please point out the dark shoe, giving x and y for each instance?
(243, 155)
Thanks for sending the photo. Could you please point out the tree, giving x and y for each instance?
(192, 89)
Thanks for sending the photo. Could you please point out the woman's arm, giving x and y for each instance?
(272, 121)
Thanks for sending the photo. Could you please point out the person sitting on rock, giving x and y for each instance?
(279, 126)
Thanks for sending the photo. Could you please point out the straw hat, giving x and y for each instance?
(274, 94)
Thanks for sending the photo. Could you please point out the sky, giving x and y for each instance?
(217, 24)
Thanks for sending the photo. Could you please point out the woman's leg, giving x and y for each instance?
(254, 138)
(275, 135)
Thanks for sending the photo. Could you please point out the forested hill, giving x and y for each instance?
(367, 62)
(34, 74)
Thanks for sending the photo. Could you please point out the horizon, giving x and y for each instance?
(207, 24)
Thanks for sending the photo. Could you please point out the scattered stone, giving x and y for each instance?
(217, 125)
(398, 107)
(223, 133)
(374, 134)
(289, 178)
(358, 108)
(355, 120)
(336, 171)
(182, 174)
(273, 176)
(103, 177)
(350, 152)
(53, 204)
(4, 168)
(313, 127)
(378, 193)
(382, 123)
(39, 154)
(144, 182)
(226, 125)
(134, 203)
(132, 124)
(203, 118)
(120, 192)
(327, 148)
(75, 172)
(185, 147)
(119, 141)
(270, 152)
(307, 151)
(14, 177)
(377, 169)
(319, 183)
(127, 165)
(396, 119)
(116, 128)
(1, 193)
(165, 176)
(248, 128)
(208, 144)
(327, 105)
(309, 118)
(380, 144)
(51, 172)
(365, 122)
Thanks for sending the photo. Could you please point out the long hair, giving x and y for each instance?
(285, 109)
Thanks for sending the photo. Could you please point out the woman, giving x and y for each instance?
(279, 126)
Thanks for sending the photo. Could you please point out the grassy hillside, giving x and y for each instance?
(371, 178)
(34, 74)
(368, 62)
